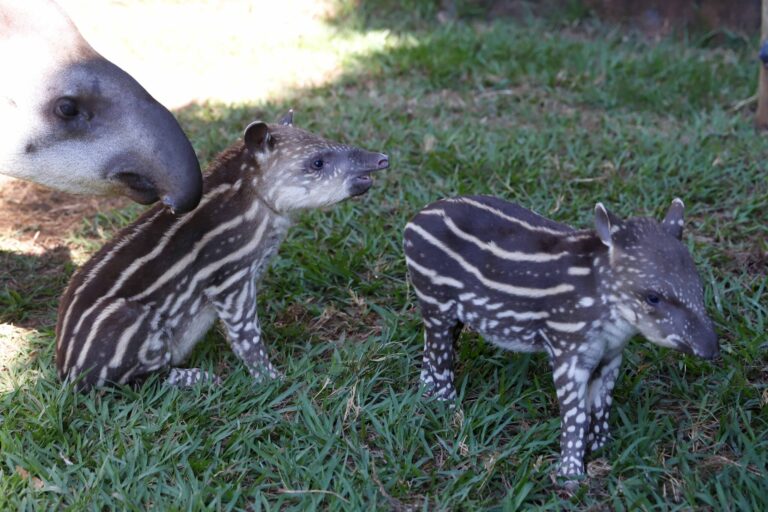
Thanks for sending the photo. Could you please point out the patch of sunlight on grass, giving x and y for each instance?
(231, 52)
(14, 344)
(9, 243)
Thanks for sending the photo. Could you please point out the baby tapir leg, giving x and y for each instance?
(571, 375)
(188, 377)
(600, 398)
(236, 307)
(440, 334)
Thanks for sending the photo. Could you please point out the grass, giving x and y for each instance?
(554, 116)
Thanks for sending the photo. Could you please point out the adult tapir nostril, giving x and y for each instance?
(181, 191)
(136, 186)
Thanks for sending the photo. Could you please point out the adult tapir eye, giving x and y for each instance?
(653, 299)
(66, 108)
(318, 164)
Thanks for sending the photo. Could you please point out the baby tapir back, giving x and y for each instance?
(527, 283)
(148, 296)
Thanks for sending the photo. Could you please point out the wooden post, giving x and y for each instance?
(761, 119)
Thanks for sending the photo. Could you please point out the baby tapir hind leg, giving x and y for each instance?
(236, 308)
(441, 331)
(126, 349)
(599, 402)
(188, 377)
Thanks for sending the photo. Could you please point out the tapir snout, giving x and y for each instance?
(363, 164)
(705, 343)
(160, 163)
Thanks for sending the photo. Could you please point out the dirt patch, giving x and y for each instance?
(355, 322)
(34, 219)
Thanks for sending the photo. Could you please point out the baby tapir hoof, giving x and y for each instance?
(143, 302)
(265, 372)
(529, 284)
(570, 484)
(432, 388)
(598, 438)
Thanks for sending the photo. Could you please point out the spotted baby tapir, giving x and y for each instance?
(529, 284)
(147, 297)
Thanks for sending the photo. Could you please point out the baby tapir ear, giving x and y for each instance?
(673, 220)
(287, 119)
(257, 138)
(603, 224)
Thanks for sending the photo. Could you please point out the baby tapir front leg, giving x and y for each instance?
(572, 374)
(234, 304)
(236, 307)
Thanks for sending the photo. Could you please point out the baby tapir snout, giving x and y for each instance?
(709, 348)
(689, 334)
(704, 341)
(361, 165)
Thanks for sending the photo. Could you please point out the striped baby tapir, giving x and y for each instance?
(143, 302)
(529, 284)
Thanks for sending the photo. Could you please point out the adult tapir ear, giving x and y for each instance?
(603, 224)
(257, 138)
(287, 119)
(674, 219)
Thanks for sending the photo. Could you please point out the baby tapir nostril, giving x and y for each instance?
(713, 354)
(383, 162)
(705, 342)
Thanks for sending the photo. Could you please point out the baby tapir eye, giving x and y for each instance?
(652, 298)
(318, 164)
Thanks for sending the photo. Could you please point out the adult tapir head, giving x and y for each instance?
(72, 120)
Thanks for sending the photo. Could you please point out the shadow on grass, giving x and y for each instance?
(30, 286)
(714, 22)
